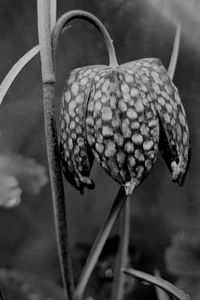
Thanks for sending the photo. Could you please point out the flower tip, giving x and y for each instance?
(129, 187)
(88, 182)
(178, 173)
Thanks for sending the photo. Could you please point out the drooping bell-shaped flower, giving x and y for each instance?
(122, 115)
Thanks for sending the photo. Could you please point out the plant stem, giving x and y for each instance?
(79, 14)
(122, 257)
(100, 242)
(57, 189)
(48, 76)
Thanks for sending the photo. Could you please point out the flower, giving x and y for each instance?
(121, 116)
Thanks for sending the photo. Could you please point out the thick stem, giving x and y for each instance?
(57, 188)
(79, 14)
(45, 20)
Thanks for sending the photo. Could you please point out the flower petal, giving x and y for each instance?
(174, 140)
(122, 127)
(77, 158)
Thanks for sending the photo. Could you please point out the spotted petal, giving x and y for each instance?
(122, 126)
(76, 156)
(174, 139)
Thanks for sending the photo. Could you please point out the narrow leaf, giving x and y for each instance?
(175, 51)
(100, 242)
(15, 70)
(161, 283)
(162, 295)
(122, 257)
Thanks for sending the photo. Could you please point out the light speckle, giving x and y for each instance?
(99, 147)
(134, 92)
(126, 130)
(122, 106)
(129, 147)
(72, 125)
(137, 139)
(118, 139)
(131, 114)
(98, 106)
(75, 88)
(107, 131)
(161, 100)
(67, 96)
(84, 81)
(105, 86)
(125, 88)
(147, 145)
(106, 114)
(110, 149)
(135, 125)
(120, 158)
(97, 95)
(128, 78)
(131, 161)
(139, 106)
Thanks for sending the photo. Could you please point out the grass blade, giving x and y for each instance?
(122, 257)
(100, 242)
(175, 51)
(161, 283)
(161, 295)
(15, 70)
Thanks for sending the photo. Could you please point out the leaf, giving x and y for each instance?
(161, 283)
(15, 70)
(175, 51)
(162, 295)
(23, 285)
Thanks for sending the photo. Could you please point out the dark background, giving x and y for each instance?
(165, 223)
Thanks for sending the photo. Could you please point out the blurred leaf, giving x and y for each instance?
(192, 286)
(10, 192)
(182, 256)
(16, 174)
(25, 286)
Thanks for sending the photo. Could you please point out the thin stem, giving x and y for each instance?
(122, 257)
(100, 242)
(79, 14)
(161, 283)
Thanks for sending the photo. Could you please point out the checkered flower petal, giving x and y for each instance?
(174, 138)
(76, 156)
(122, 126)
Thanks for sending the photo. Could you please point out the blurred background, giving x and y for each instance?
(165, 219)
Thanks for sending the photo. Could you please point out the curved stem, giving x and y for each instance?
(79, 14)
